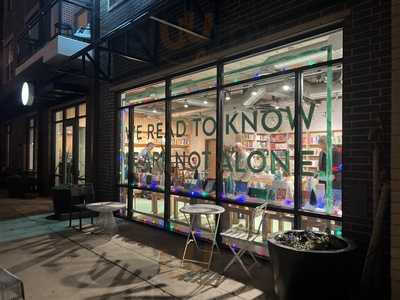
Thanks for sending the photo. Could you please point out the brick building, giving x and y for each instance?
(101, 70)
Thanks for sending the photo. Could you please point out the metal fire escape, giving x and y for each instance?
(136, 41)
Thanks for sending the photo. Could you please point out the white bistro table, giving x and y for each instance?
(194, 210)
(106, 218)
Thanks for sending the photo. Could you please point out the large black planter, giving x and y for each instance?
(311, 274)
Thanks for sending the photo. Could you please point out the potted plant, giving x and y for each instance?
(310, 265)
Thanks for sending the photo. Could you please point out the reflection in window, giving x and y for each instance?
(193, 145)
(322, 141)
(148, 145)
(258, 156)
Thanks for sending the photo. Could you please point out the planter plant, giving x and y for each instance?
(310, 265)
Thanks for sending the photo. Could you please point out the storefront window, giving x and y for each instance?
(258, 157)
(266, 155)
(304, 53)
(322, 141)
(193, 145)
(143, 94)
(149, 146)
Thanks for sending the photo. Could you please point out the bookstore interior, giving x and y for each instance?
(279, 107)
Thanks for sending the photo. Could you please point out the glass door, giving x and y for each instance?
(69, 153)
(70, 145)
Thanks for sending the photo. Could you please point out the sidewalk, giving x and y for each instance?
(56, 262)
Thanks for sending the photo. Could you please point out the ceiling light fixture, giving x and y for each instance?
(227, 96)
(254, 93)
(154, 110)
(286, 87)
(205, 102)
(186, 105)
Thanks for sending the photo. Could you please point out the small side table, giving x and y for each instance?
(106, 218)
(194, 210)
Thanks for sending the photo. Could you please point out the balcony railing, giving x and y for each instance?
(61, 17)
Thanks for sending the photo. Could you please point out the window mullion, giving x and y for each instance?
(167, 154)
(297, 147)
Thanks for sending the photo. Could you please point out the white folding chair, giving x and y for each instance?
(241, 240)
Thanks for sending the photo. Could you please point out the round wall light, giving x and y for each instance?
(27, 94)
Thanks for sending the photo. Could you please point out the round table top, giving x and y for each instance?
(105, 206)
(202, 209)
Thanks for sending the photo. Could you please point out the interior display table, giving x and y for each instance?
(106, 219)
(191, 211)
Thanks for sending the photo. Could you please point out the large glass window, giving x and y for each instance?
(280, 123)
(148, 130)
(322, 141)
(304, 53)
(258, 157)
(193, 145)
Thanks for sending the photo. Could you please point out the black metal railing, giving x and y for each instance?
(60, 17)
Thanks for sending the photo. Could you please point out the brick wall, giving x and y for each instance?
(395, 186)
(105, 146)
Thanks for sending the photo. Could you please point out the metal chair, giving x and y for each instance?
(81, 195)
(11, 287)
(240, 240)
